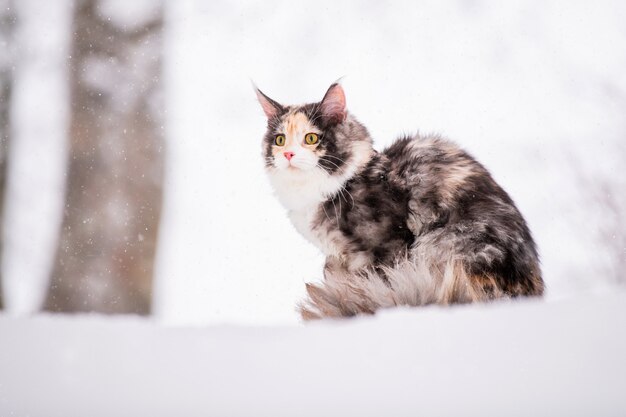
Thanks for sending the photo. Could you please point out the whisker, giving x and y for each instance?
(324, 208)
(340, 211)
(348, 165)
(347, 192)
(332, 200)
(338, 159)
(330, 162)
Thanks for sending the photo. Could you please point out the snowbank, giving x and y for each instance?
(564, 357)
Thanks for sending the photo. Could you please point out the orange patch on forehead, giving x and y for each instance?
(297, 123)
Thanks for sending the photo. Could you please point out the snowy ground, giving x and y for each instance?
(531, 358)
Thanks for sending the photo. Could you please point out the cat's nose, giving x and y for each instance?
(289, 155)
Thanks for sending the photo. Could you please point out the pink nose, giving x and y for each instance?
(289, 155)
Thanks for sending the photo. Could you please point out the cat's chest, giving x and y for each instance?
(306, 223)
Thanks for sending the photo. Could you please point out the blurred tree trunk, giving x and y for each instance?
(7, 22)
(106, 254)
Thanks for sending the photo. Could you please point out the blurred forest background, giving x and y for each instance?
(119, 121)
(94, 239)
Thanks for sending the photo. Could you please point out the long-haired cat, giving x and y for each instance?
(420, 222)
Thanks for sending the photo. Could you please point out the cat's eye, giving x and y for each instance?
(280, 140)
(311, 138)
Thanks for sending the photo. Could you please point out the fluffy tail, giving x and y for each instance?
(409, 283)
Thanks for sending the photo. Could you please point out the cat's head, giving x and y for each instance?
(317, 145)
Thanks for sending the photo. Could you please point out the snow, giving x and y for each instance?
(564, 357)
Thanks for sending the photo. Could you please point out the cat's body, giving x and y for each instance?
(420, 222)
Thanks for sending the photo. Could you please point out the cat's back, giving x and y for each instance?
(447, 183)
(429, 151)
(439, 167)
(457, 209)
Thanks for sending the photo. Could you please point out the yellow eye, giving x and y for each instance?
(311, 138)
(280, 140)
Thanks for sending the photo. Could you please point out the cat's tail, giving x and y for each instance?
(409, 283)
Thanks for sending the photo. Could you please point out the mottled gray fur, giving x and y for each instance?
(420, 222)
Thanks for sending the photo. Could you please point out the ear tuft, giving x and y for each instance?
(333, 105)
(270, 107)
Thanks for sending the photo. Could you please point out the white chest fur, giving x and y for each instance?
(303, 191)
(304, 219)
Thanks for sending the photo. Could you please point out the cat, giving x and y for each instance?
(421, 222)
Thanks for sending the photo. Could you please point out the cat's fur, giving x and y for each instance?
(420, 222)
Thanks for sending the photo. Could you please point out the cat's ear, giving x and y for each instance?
(270, 107)
(333, 105)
